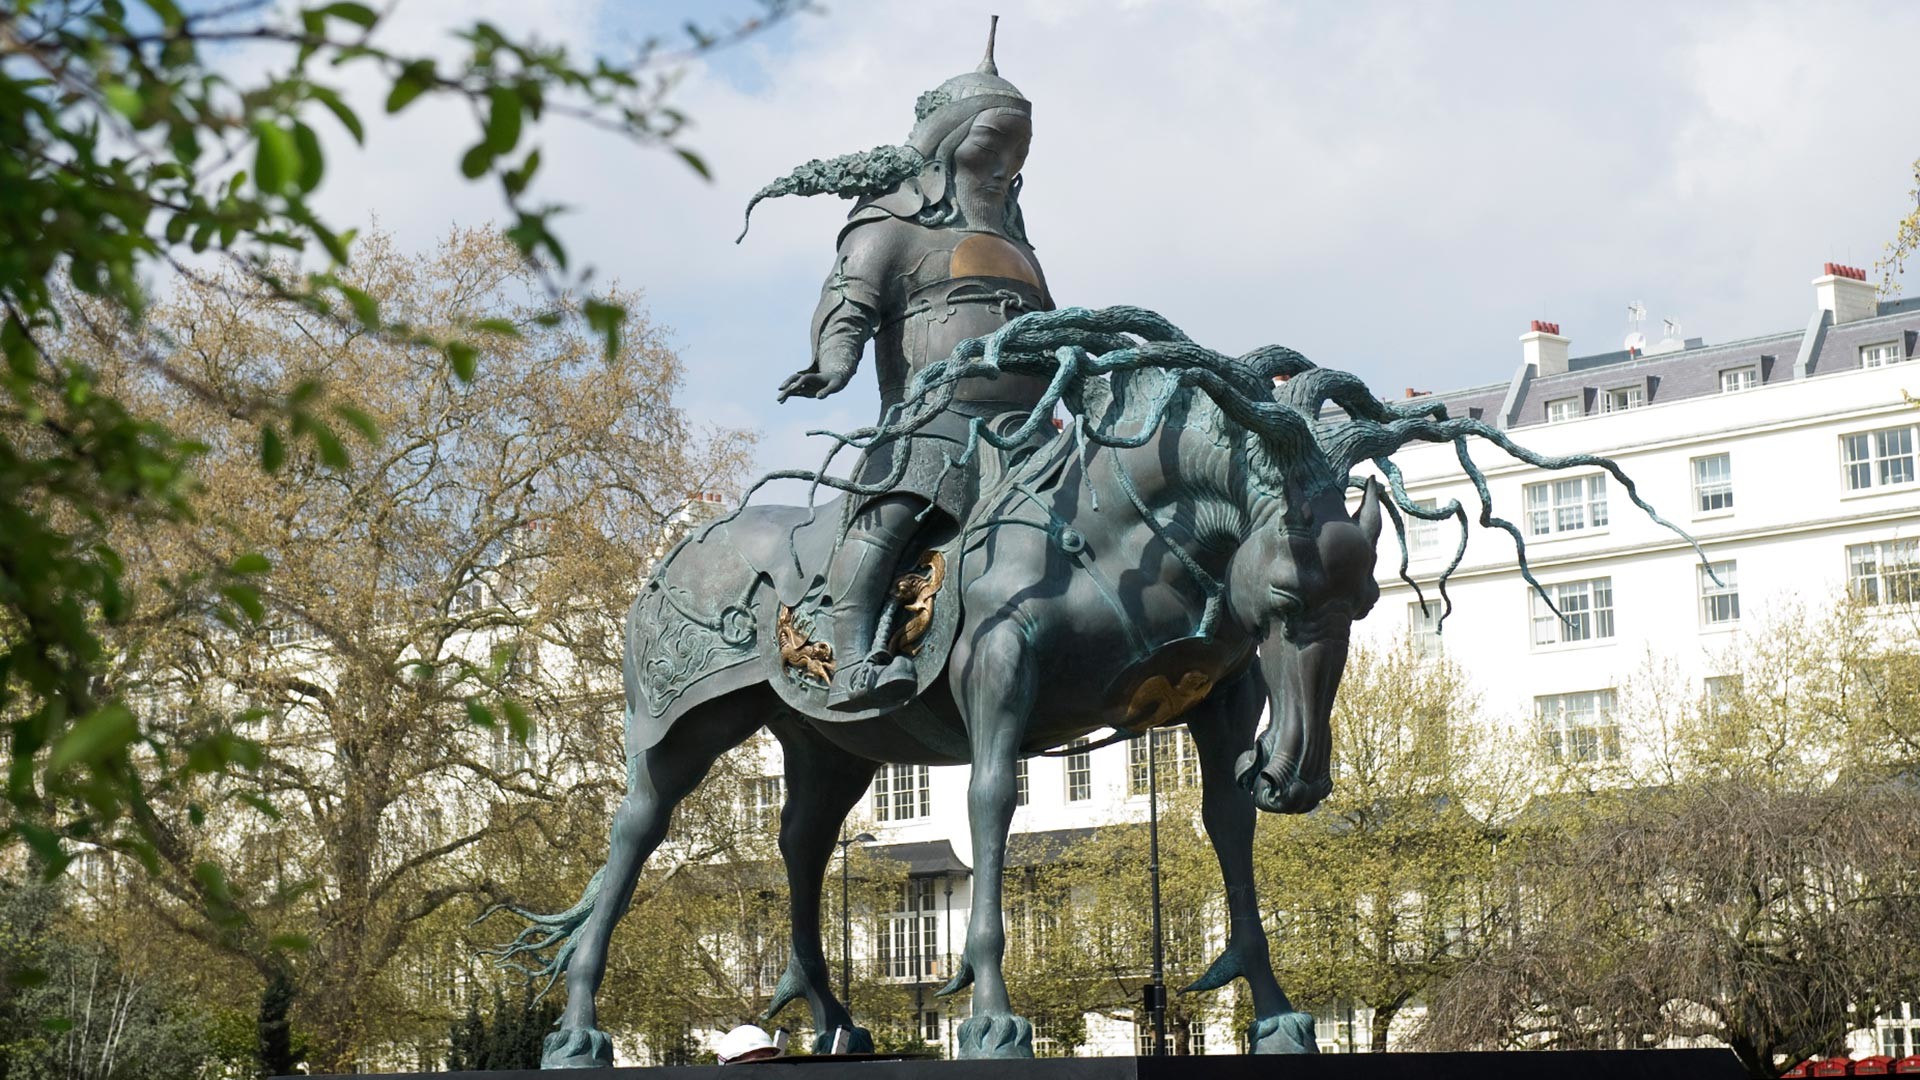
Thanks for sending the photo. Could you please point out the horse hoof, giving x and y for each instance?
(1286, 1033)
(859, 1041)
(577, 1048)
(1000, 1035)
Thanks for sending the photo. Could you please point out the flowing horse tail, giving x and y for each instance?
(545, 932)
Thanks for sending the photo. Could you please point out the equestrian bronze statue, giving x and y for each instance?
(1183, 549)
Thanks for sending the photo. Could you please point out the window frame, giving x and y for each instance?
(1423, 628)
(1743, 378)
(1592, 505)
(1078, 774)
(1599, 618)
(887, 793)
(1557, 737)
(1885, 576)
(1704, 490)
(1865, 462)
(1572, 409)
(1636, 398)
(1711, 594)
(1872, 357)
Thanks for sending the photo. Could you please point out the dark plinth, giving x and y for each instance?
(1511, 1065)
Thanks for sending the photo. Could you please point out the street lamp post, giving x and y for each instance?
(1154, 994)
(846, 920)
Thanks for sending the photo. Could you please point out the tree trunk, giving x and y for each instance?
(1377, 1031)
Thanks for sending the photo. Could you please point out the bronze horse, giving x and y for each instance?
(1182, 552)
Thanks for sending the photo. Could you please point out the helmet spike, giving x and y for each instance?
(987, 66)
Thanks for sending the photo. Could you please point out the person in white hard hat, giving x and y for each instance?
(748, 1042)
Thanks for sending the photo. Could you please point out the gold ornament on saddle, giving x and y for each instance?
(916, 592)
(811, 658)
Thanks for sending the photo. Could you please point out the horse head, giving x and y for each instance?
(1296, 586)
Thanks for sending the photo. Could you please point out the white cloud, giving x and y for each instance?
(1392, 188)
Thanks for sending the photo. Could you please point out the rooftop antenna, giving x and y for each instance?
(1636, 341)
(1672, 341)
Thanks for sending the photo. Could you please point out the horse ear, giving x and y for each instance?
(1368, 516)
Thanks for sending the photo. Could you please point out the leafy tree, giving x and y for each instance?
(1749, 882)
(130, 152)
(486, 553)
(1390, 885)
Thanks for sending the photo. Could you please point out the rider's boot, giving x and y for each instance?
(868, 675)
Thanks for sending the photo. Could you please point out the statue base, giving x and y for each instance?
(1503, 1065)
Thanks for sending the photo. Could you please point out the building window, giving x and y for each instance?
(1178, 763)
(900, 793)
(1423, 626)
(1623, 398)
(1721, 692)
(1887, 572)
(909, 937)
(1719, 603)
(1881, 458)
(1578, 727)
(763, 798)
(930, 1025)
(1899, 1030)
(1712, 483)
(1880, 355)
(1021, 790)
(1586, 612)
(1079, 774)
(1734, 380)
(1567, 408)
(1561, 506)
(1423, 534)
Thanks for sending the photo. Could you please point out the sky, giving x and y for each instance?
(1391, 188)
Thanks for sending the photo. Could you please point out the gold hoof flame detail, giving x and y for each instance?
(811, 658)
(917, 591)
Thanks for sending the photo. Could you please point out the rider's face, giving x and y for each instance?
(994, 151)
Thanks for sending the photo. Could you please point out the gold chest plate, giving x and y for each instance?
(987, 255)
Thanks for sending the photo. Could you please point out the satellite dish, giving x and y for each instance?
(1636, 342)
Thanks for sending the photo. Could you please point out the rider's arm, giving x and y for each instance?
(851, 302)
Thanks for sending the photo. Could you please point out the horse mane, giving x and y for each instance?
(1122, 366)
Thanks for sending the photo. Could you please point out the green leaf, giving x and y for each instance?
(477, 160)
(292, 942)
(27, 977)
(341, 112)
(123, 99)
(360, 421)
(333, 453)
(365, 307)
(694, 161)
(358, 14)
(57, 1024)
(503, 327)
(518, 723)
(413, 80)
(276, 160)
(464, 358)
(251, 563)
(479, 715)
(247, 599)
(313, 162)
(100, 736)
(273, 452)
(503, 118)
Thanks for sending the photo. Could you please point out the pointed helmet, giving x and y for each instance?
(906, 177)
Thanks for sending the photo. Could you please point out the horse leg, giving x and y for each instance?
(995, 691)
(1223, 728)
(657, 779)
(824, 783)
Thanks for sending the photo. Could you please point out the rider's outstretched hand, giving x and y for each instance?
(814, 384)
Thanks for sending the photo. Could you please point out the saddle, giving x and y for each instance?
(735, 604)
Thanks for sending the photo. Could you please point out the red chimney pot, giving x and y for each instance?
(1544, 327)
(1845, 271)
